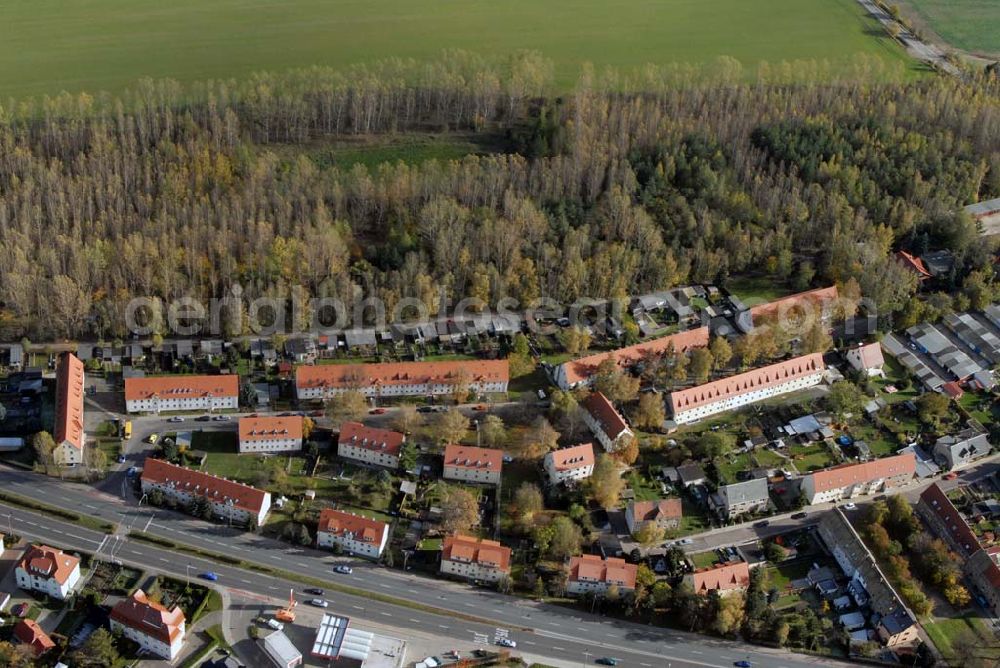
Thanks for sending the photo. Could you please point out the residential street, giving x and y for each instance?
(542, 629)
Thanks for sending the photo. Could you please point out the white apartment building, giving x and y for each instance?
(850, 480)
(401, 379)
(156, 629)
(607, 424)
(48, 570)
(68, 433)
(369, 445)
(574, 463)
(354, 534)
(474, 558)
(270, 434)
(156, 394)
(696, 403)
(230, 501)
(589, 574)
(470, 464)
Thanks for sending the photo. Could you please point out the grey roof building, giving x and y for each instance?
(895, 347)
(932, 341)
(975, 335)
(691, 474)
(962, 448)
(750, 496)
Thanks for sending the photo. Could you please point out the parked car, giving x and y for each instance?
(608, 661)
(314, 590)
(131, 471)
(319, 603)
(203, 418)
(743, 663)
(346, 570)
(275, 624)
(761, 524)
(176, 418)
(799, 516)
(210, 576)
(850, 506)
(686, 541)
(950, 476)
(121, 459)
(506, 642)
(152, 439)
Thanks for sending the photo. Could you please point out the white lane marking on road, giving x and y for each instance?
(442, 626)
(527, 642)
(415, 621)
(386, 614)
(694, 651)
(304, 565)
(559, 649)
(245, 581)
(166, 561)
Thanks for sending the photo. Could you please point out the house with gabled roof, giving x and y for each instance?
(606, 423)
(232, 501)
(816, 303)
(914, 264)
(665, 514)
(590, 574)
(48, 570)
(28, 632)
(154, 627)
(68, 434)
(398, 379)
(370, 445)
(574, 463)
(471, 464)
(727, 578)
(474, 558)
(270, 434)
(156, 394)
(946, 521)
(739, 498)
(352, 533)
(867, 359)
(851, 480)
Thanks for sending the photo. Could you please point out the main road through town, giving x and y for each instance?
(543, 630)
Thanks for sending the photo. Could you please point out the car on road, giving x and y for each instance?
(507, 459)
(275, 624)
(346, 570)
(951, 476)
(377, 411)
(131, 471)
(425, 409)
(221, 418)
(506, 642)
(210, 576)
(121, 459)
(850, 506)
(152, 439)
(799, 516)
(319, 603)
(176, 418)
(685, 541)
(316, 591)
(743, 663)
(608, 661)
(761, 524)
(203, 418)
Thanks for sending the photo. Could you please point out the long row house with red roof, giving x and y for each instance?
(156, 394)
(228, 499)
(68, 433)
(401, 379)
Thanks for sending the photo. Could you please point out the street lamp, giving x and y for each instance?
(586, 658)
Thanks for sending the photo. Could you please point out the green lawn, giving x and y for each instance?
(769, 459)
(811, 457)
(973, 25)
(52, 45)
(729, 466)
(703, 559)
(945, 632)
(757, 289)
(782, 575)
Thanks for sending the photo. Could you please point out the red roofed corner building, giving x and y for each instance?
(370, 445)
(155, 628)
(729, 578)
(606, 423)
(573, 463)
(578, 372)
(816, 302)
(474, 558)
(469, 464)
(401, 379)
(590, 574)
(154, 394)
(48, 570)
(747, 388)
(850, 480)
(230, 500)
(28, 632)
(984, 572)
(270, 434)
(353, 533)
(914, 264)
(946, 522)
(664, 513)
(68, 433)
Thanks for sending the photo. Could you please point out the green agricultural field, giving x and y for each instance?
(972, 25)
(52, 45)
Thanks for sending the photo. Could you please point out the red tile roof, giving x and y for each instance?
(469, 457)
(611, 421)
(181, 387)
(401, 373)
(721, 577)
(581, 369)
(361, 529)
(197, 483)
(743, 383)
(358, 435)
(69, 401)
(270, 428)
(650, 511)
(938, 502)
(852, 474)
(149, 617)
(818, 298)
(953, 390)
(48, 562)
(913, 263)
(28, 632)
(489, 553)
(573, 457)
(591, 568)
(871, 356)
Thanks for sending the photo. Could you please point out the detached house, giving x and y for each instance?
(573, 463)
(474, 558)
(68, 433)
(665, 514)
(229, 500)
(155, 394)
(729, 578)
(965, 447)
(589, 574)
(28, 632)
(867, 359)
(353, 533)
(750, 496)
(850, 480)
(607, 424)
(48, 570)
(469, 464)
(270, 434)
(369, 445)
(154, 627)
